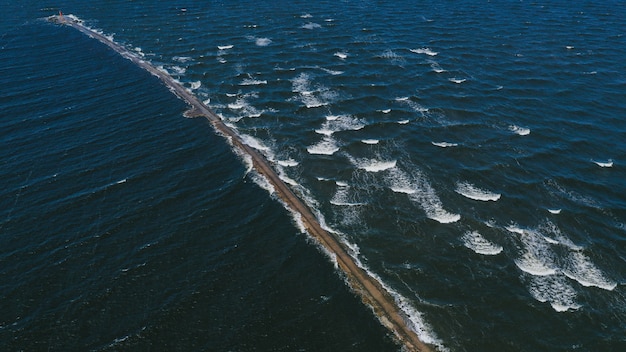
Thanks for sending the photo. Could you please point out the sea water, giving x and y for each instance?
(470, 154)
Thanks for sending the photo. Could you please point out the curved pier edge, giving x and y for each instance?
(371, 291)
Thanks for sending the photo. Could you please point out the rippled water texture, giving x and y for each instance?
(470, 154)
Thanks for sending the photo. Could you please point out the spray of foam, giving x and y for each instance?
(472, 192)
(421, 192)
(476, 242)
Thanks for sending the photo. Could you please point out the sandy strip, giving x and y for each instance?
(368, 288)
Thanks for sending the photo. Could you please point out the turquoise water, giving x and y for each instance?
(470, 154)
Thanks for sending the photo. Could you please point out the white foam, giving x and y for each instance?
(385, 111)
(555, 211)
(373, 165)
(287, 163)
(332, 72)
(435, 66)
(311, 25)
(472, 192)
(580, 268)
(608, 163)
(336, 123)
(252, 82)
(341, 55)
(225, 47)
(569, 47)
(552, 234)
(343, 198)
(342, 183)
(327, 146)
(554, 289)
(457, 80)
(288, 179)
(444, 144)
(476, 242)
(426, 51)
(324, 131)
(519, 130)
(195, 85)
(178, 70)
(413, 105)
(421, 192)
(181, 59)
(254, 142)
(537, 257)
(403, 122)
(306, 15)
(311, 99)
(263, 182)
(370, 141)
(263, 41)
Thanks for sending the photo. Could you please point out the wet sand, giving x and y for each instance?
(367, 287)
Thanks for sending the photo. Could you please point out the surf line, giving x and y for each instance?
(367, 287)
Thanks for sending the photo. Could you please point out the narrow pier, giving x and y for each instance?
(367, 287)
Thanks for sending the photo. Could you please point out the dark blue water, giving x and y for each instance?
(470, 153)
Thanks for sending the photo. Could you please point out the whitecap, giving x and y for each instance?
(311, 25)
(403, 122)
(263, 41)
(553, 235)
(426, 51)
(580, 268)
(324, 131)
(287, 163)
(472, 192)
(554, 289)
(341, 55)
(342, 183)
(537, 257)
(608, 163)
(343, 198)
(402, 190)
(332, 72)
(554, 211)
(515, 229)
(178, 70)
(402, 98)
(476, 242)
(306, 15)
(181, 59)
(519, 130)
(254, 142)
(336, 123)
(377, 165)
(225, 47)
(385, 111)
(327, 146)
(444, 144)
(457, 80)
(436, 68)
(370, 141)
(252, 82)
(288, 180)
(421, 192)
(263, 182)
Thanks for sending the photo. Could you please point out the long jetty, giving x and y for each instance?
(362, 283)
